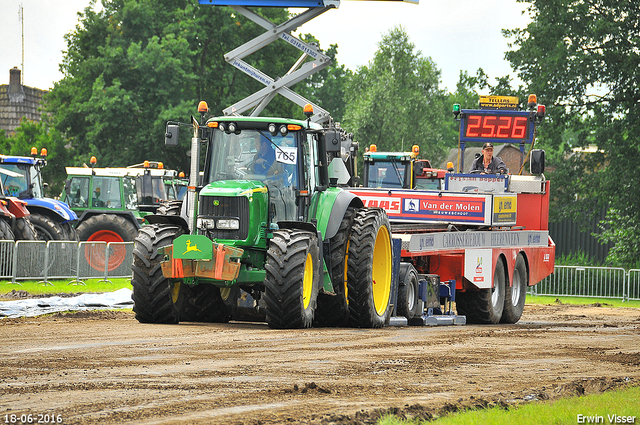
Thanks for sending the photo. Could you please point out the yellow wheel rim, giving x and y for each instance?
(225, 293)
(307, 282)
(381, 270)
(175, 292)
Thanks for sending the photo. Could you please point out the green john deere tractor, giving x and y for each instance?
(268, 219)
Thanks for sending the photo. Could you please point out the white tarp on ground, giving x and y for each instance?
(36, 307)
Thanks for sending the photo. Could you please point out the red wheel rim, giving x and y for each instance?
(95, 254)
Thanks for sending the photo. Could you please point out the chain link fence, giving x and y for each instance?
(47, 260)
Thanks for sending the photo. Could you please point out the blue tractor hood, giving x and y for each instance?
(54, 205)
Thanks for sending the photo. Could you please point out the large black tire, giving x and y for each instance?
(6, 234)
(409, 303)
(70, 232)
(107, 227)
(48, 229)
(293, 279)
(155, 298)
(369, 269)
(169, 208)
(486, 305)
(333, 310)
(24, 230)
(515, 295)
(203, 303)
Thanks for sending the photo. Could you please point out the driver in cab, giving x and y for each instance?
(265, 156)
(487, 163)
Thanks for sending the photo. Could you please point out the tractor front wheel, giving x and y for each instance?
(155, 298)
(292, 281)
(369, 269)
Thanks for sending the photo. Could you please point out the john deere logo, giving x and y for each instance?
(192, 247)
(216, 203)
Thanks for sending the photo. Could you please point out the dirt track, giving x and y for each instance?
(105, 367)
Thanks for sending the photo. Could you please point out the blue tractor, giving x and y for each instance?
(21, 177)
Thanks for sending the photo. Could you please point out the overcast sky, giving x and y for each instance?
(460, 35)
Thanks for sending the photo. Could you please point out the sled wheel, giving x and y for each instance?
(484, 305)
(409, 304)
(515, 295)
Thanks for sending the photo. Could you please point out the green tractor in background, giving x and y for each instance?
(268, 217)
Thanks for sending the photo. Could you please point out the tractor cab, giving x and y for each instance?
(400, 170)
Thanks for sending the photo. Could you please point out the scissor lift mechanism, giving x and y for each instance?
(298, 72)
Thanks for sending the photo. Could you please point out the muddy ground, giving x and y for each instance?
(105, 367)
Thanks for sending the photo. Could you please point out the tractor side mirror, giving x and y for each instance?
(171, 135)
(67, 187)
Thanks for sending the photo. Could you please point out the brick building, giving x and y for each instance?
(18, 101)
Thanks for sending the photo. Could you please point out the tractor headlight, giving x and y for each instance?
(206, 223)
(228, 223)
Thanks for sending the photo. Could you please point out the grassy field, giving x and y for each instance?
(98, 285)
(619, 406)
(63, 286)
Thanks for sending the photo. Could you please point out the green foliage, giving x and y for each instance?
(583, 61)
(132, 65)
(579, 258)
(395, 101)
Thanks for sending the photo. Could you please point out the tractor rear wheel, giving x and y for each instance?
(106, 228)
(515, 295)
(409, 303)
(6, 234)
(48, 229)
(369, 269)
(333, 310)
(25, 230)
(293, 278)
(169, 208)
(485, 305)
(203, 303)
(155, 298)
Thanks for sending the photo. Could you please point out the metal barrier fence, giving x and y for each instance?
(45, 260)
(30, 260)
(583, 281)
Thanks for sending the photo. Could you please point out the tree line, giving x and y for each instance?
(135, 64)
